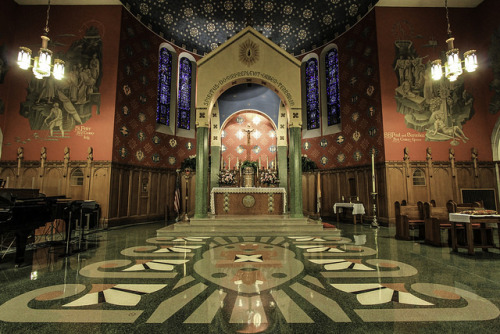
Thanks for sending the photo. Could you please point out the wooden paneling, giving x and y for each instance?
(123, 198)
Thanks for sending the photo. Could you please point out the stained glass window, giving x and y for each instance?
(312, 94)
(164, 87)
(184, 107)
(332, 87)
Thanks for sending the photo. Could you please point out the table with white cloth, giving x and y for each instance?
(357, 210)
(458, 220)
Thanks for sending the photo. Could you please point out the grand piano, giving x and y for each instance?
(24, 210)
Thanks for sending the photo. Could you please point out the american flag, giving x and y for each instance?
(177, 194)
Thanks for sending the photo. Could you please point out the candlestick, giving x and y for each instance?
(373, 171)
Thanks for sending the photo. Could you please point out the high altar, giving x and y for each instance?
(247, 201)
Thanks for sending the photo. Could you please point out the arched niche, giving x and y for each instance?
(247, 57)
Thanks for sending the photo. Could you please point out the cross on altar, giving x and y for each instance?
(248, 130)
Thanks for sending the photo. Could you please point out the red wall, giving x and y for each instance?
(472, 29)
(67, 24)
(136, 140)
(360, 105)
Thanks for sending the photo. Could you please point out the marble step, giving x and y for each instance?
(253, 220)
(246, 228)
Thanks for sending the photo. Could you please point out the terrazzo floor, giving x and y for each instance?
(127, 280)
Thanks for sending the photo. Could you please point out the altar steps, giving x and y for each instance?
(247, 226)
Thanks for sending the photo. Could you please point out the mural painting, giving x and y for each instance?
(60, 106)
(436, 108)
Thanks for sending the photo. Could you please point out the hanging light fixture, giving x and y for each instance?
(453, 66)
(42, 64)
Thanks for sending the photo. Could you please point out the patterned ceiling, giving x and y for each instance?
(297, 26)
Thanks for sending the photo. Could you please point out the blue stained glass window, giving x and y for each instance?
(312, 94)
(184, 107)
(332, 87)
(164, 86)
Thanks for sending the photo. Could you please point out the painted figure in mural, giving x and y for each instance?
(416, 95)
(94, 67)
(72, 80)
(453, 131)
(400, 68)
(56, 119)
(48, 90)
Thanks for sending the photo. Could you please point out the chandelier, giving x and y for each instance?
(42, 64)
(453, 67)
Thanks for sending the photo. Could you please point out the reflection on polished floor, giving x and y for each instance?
(364, 281)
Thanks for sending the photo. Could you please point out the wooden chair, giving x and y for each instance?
(459, 207)
(436, 219)
(409, 217)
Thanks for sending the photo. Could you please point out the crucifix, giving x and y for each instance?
(248, 130)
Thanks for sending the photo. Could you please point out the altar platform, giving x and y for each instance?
(248, 225)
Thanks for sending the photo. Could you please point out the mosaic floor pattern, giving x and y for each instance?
(128, 280)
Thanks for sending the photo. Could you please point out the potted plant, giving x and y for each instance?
(248, 163)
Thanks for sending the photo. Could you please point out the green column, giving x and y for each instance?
(215, 166)
(200, 209)
(295, 174)
(283, 169)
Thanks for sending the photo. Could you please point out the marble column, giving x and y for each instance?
(201, 200)
(215, 166)
(283, 168)
(295, 173)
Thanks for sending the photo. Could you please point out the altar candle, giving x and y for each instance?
(373, 172)
(237, 162)
(229, 163)
(259, 162)
(267, 162)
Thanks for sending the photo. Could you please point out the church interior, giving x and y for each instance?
(253, 166)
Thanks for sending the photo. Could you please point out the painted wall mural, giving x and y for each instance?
(436, 108)
(62, 106)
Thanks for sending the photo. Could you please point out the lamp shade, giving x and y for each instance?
(453, 65)
(24, 58)
(470, 60)
(58, 69)
(436, 69)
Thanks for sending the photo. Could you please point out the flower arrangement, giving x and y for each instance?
(268, 177)
(248, 163)
(227, 177)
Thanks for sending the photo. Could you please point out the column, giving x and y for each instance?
(282, 162)
(295, 173)
(215, 166)
(200, 209)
